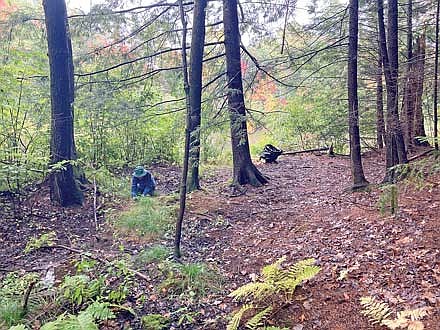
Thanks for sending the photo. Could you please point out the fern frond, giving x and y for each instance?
(414, 314)
(18, 327)
(395, 324)
(258, 319)
(274, 271)
(100, 311)
(302, 264)
(415, 325)
(304, 270)
(255, 290)
(236, 319)
(288, 285)
(375, 310)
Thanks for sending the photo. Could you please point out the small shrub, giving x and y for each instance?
(155, 322)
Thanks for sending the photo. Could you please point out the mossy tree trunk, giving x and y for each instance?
(63, 187)
(358, 177)
(395, 144)
(195, 82)
(244, 171)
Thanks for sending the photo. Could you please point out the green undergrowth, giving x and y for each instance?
(92, 293)
(148, 218)
(109, 182)
(188, 281)
(155, 253)
(155, 322)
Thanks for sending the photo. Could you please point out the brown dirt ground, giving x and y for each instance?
(305, 211)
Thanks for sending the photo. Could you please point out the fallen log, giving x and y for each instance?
(305, 151)
(271, 153)
(420, 155)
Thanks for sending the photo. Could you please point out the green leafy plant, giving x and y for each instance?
(274, 289)
(379, 313)
(35, 243)
(78, 289)
(11, 312)
(120, 270)
(87, 319)
(12, 289)
(155, 322)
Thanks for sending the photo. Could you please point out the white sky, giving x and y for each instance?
(300, 14)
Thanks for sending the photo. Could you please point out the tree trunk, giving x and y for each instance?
(409, 94)
(64, 189)
(183, 182)
(195, 81)
(436, 76)
(419, 125)
(395, 144)
(380, 124)
(359, 180)
(244, 170)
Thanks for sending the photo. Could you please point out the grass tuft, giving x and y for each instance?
(149, 218)
(154, 253)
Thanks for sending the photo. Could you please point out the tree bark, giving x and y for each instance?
(395, 144)
(380, 124)
(436, 76)
(195, 81)
(419, 125)
(183, 182)
(64, 189)
(244, 171)
(357, 171)
(410, 92)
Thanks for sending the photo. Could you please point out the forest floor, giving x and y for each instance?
(305, 211)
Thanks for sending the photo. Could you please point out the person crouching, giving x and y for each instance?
(142, 182)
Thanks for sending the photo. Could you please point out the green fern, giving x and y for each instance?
(256, 291)
(100, 311)
(273, 272)
(303, 270)
(275, 288)
(258, 319)
(375, 310)
(236, 318)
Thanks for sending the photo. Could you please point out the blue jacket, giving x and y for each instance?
(144, 185)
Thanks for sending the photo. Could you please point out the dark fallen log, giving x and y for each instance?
(420, 155)
(305, 151)
(271, 153)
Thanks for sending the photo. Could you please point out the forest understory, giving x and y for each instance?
(305, 211)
